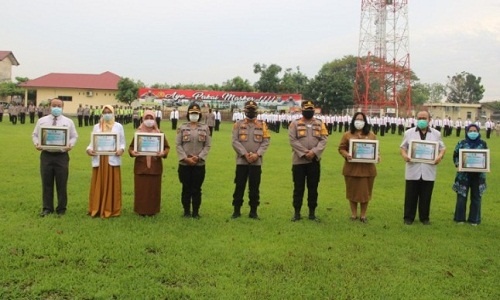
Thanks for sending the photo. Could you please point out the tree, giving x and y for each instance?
(333, 87)
(237, 84)
(9, 89)
(437, 92)
(127, 90)
(269, 82)
(420, 93)
(293, 82)
(464, 88)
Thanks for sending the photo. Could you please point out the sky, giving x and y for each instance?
(212, 41)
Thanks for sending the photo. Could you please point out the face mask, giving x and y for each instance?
(56, 111)
(359, 124)
(250, 114)
(193, 117)
(107, 117)
(473, 135)
(308, 114)
(149, 123)
(422, 124)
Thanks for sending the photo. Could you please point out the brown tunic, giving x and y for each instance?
(147, 182)
(359, 177)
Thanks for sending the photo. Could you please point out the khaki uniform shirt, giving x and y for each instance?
(250, 136)
(307, 135)
(192, 141)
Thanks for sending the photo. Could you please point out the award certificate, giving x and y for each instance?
(423, 151)
(363, 151)
(53, 137)
(148, 143)
(474, 160)
(105, 143)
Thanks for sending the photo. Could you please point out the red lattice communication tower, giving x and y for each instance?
(383, 77)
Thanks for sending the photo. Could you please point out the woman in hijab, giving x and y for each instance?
(148, 171)
(105, 197)
(465, 181)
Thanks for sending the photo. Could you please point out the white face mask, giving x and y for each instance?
(193, 117)
(358, 124)
(149, 123)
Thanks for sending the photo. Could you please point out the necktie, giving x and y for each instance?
(54, 122)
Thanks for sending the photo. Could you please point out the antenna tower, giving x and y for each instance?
(383, 70)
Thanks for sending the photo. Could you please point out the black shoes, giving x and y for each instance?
(408, 222)
(296, 217)
(45, 212)
(426, 222)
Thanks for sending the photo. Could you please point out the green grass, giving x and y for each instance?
(169, 257)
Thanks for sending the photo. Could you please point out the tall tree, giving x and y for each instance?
(237, 84)
(293, 82)
(269, 81)
(127, 90)
(420, 93)
(437, 92)
(333, 86)
(464, 88)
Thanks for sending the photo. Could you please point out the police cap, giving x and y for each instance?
(307, 104)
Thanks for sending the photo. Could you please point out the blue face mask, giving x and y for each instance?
(422, 124)
(473, 135)
(56, 111)
(107, 117)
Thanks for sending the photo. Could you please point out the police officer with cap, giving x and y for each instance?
(308, 137)
(250, 140)
(193, 144)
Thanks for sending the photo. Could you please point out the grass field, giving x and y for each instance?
(170, 257)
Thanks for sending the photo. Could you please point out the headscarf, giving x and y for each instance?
(144, 128)
(106, 126)
(476, 142)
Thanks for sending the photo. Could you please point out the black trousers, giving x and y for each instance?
(158, 120)
(458, 131)
(80, 121)
(217, 125)
(251, 174)
(488, 133)
(418, 193)
(192, 178)
(174, 124)
(22, 118)
(54, 168)
(306, 174)
(32, 117)
(86, 120)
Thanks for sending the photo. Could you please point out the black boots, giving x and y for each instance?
(237, 212)
(253, 213)
(296, 216)
(312, 215)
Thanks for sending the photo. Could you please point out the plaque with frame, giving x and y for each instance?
(148, 144)
(423, 151)
(53, 137)
(363, 151)
(105, 143)
(474, 160)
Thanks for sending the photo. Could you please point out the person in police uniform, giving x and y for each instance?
(308, 137)
(250, 140)
(193, 144)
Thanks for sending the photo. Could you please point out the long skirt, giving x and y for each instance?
(359, 189)
(105, 197)
(147, 194)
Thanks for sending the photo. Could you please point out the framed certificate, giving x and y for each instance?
(105, 143)
(423, 151)
(474, 160)
(53, 137)
(148, 143)
(363, 151)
